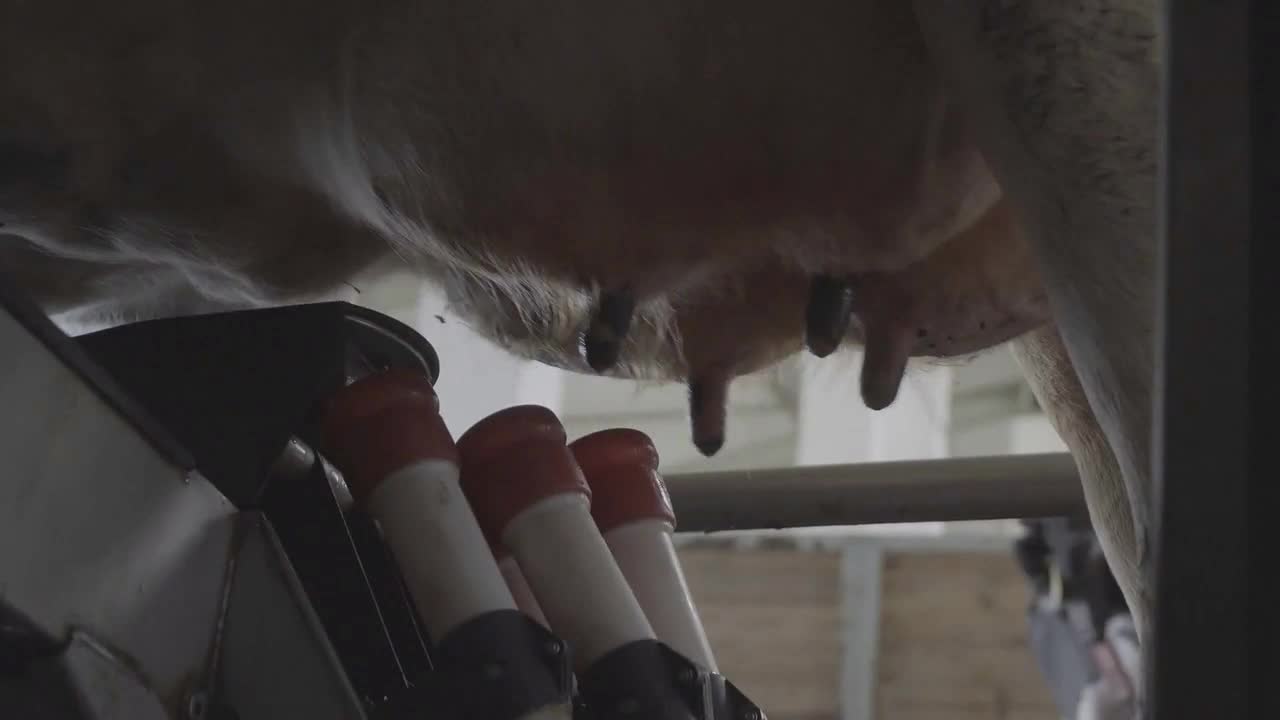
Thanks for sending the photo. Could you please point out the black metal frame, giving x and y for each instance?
(256, 376)
(1205, 437)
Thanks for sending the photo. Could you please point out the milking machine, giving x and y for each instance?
(261, 514)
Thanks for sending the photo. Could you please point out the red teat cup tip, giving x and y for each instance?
(621, 467)
(512, 459)
(383, 423)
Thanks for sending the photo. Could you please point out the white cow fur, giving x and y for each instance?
(1068, 96)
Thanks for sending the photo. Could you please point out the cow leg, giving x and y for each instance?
(1055, 384)
(1064, 102)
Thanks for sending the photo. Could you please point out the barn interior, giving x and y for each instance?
(173, 545)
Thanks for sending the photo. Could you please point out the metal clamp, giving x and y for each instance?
(648, 680)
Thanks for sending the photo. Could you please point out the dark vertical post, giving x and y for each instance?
(1197, 658)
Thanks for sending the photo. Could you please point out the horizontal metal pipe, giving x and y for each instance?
(983, 488)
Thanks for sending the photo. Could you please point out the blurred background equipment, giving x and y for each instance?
(1081, 631)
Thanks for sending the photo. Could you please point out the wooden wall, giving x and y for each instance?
(773, 620)
(952, 638)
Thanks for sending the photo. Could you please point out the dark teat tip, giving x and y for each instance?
(708, 401)
(827, 314)
(709, 446)
(610, 323)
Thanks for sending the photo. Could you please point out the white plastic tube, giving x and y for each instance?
(527, 490)
(520, 590)
(631, 507)
(434, 536)
(644, 552)
(386, 434)
(580, 588)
